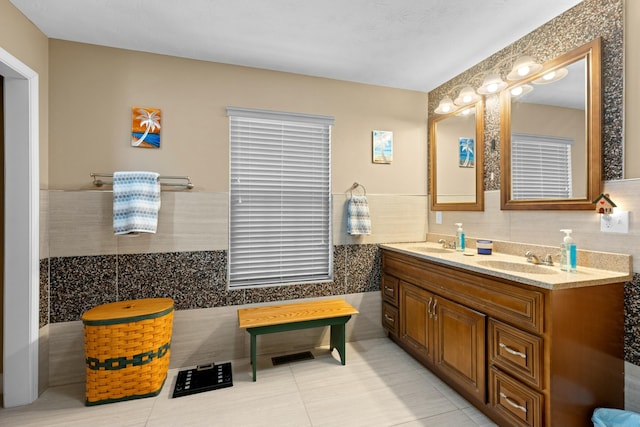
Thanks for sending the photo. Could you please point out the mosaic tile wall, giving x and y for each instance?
(579, 25)
(632, 320)
(192, 279)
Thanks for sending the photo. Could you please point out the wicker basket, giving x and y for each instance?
(127, 348)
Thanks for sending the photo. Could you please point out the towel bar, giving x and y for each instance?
(188, 184)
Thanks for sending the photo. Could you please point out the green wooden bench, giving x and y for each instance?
(291, 317)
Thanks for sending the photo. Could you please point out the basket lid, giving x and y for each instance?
(127, 311)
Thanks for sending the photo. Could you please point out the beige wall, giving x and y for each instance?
(93, 89)
(632, 89)
(22, 39)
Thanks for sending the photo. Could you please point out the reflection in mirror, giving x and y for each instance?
(551, 135)
(457, 168)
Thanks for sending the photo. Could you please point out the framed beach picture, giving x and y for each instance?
(145, 127)
(382, 146)
(467, 153)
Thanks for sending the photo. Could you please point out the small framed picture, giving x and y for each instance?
(382, 146)
(145, 127)
(467, 153)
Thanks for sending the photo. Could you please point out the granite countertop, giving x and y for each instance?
(516, 268)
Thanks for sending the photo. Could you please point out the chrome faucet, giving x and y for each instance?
(533, 258)
(447, 245)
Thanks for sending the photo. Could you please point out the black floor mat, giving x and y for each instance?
(296, 357)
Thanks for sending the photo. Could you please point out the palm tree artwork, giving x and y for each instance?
(145, 127)
(467, 158)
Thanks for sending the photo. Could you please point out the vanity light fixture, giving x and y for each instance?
(446, 106)
(523, 67)
(520, 90)
(552, 76)
(493, 83)
(467, 96)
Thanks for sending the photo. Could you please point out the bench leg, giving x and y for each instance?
(338, 339)
(253, 355)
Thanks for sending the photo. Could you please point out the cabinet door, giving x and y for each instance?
(415, 328)
(460, 345)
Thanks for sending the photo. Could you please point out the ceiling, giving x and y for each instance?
(408, 44)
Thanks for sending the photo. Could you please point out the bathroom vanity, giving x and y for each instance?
(529, 345)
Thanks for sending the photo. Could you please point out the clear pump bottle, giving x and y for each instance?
(568, 253)
(459, 238)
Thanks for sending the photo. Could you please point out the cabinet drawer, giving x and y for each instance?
(516, 352)
(390, 318)
(514, 401)
(390, 289)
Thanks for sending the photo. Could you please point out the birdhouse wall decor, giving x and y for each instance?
(604, 205)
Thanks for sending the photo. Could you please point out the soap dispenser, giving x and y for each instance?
(568, 253)
(459, 238)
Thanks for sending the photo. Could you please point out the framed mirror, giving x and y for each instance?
(457, 160)
(551, 135)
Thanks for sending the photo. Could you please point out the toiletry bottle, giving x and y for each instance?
(568, 252)
(459, 238)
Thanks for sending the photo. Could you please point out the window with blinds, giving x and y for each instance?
(279, 198)
(540, 167)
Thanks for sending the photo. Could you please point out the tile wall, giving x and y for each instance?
(86, 265)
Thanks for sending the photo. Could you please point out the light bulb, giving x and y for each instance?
(516, 91)
(549, 76)
(523, 71)
(446, 108)
(467, 98)
(492, 87)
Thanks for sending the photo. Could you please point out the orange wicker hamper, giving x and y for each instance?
(127, 348)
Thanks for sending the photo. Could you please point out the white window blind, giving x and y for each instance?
(279, 198)
(540, 167)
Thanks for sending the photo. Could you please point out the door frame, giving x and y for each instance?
(21, 246)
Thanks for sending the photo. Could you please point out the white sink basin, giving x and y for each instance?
(430, 250)
(517, 267)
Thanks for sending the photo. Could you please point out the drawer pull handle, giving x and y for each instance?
(435, 313)
(388, 290)
(389, 318)
(512, 403)
(512, 351)
(429, 307)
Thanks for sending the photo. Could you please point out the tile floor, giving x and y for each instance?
(379, 386)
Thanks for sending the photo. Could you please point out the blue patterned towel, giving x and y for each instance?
(136, 202)
(358, 219)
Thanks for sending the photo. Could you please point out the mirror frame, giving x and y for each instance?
(478, 205)
(592, 53)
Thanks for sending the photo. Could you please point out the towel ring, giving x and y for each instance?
(356, 185)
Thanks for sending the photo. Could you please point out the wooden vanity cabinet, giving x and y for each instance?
(525, 356)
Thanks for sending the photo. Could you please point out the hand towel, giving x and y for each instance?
(358, 219)
(136, 202)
